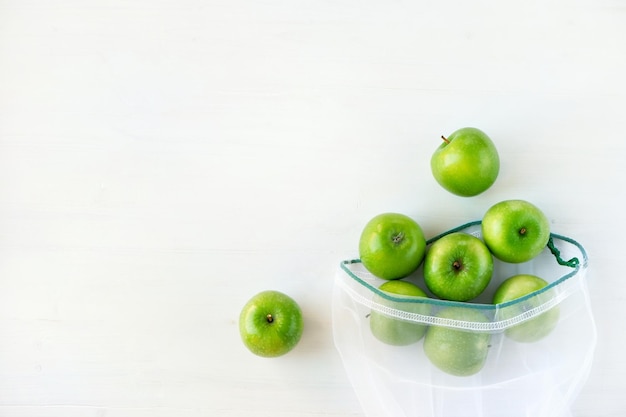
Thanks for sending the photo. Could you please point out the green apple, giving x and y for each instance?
(515, 230)
(458, 267)
(392, 246)
(395, 331)
(271, 324)
(519, 286)
(457, 351)
(466, 163)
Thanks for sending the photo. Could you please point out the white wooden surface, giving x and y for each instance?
(162, 161)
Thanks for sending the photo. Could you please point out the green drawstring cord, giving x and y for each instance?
(573, 263)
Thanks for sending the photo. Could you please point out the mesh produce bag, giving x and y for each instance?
(531, 379)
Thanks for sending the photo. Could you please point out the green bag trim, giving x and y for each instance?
(573, 263)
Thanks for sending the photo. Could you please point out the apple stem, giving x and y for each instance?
(457, 265)
(445, 139)
(522, 231)
(269, 318)
(398, 238)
